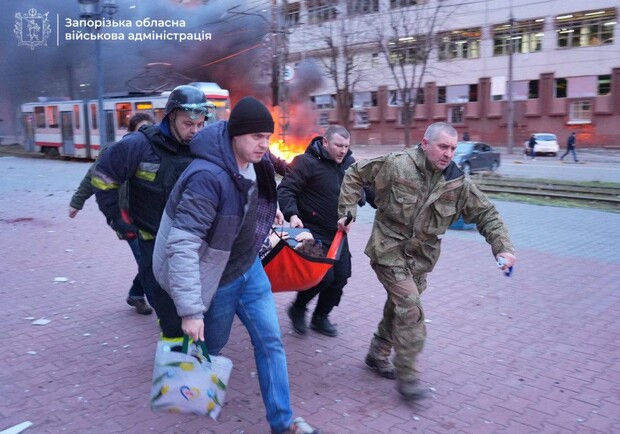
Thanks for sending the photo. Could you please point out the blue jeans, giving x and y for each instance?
(250, 298)
(573, 152)
(137, 290)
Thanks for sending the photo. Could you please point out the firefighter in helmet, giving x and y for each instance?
(150, 161)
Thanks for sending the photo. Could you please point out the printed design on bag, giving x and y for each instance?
(164, 389)
(219, 383)
(168, 374)
(189, 393)
(186, 366)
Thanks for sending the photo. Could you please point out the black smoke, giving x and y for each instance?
(238, 56)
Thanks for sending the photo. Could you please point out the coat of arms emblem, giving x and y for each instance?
(32, 29)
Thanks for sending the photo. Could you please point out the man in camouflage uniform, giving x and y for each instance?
(419, 192)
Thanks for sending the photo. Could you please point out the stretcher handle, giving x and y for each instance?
(349, 218)
(333, 249)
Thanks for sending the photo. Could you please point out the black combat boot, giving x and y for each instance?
(321, 324)
(298, 318)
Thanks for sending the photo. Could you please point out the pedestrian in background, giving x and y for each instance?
(570, 147)
(217, 218)
(85, 190)
(419, 192)
(150, 162)
(466, 136)
(532, 144)
(308, 198)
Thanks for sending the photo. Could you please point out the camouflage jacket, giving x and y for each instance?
(415, 206)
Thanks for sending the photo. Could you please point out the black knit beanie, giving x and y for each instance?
(249, 116)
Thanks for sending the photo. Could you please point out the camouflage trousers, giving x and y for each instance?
(402, 326)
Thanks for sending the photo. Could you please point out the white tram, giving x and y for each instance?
(71, 128)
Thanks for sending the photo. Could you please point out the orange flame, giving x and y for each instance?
(293, 144)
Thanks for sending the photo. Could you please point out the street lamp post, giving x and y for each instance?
(90, 9)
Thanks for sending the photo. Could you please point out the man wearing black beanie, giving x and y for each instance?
(218, 215)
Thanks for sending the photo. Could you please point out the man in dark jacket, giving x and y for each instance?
(532, 145)
(206, 249)
(570, 147)
(308, 197)
(150, 161)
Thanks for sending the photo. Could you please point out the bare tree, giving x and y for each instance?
(343, 40)
(407, 39)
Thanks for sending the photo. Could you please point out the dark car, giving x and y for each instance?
(476, 156)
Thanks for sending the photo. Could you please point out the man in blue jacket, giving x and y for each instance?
(216, 219)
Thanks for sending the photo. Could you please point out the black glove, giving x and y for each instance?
(124, 230)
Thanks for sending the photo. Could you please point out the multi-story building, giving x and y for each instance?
(561, 58)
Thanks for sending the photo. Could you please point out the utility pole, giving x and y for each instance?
(280, 58)
(511, 105)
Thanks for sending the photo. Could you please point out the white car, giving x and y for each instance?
(546, 143)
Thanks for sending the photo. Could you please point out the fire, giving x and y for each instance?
(297, 137)
(287, 150)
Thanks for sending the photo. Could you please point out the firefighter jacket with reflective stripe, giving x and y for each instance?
(415, 206)
(151, 162)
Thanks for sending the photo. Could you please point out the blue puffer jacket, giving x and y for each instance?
(202, 219)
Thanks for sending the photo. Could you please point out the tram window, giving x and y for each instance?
(123, 113)
(39, 115)
(144, 106)
(93, 116)
(52, 116)
(76, 116)
(159, 115)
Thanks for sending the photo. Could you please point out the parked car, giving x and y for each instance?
(476, 156)
(546, 143)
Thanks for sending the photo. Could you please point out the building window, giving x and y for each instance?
(419, 96)
(441, 94)
(320, 11)
(365, 99)
(324, 101)
(456, 114)
(604, 84)
(361, 118)
(410, 50)
(582, 29)
(560, 88)
(473, 93)
(363, 6)
(374, 60)
(532, 89)
(395, 100)
(324, 119)
(580, 112)
(395, 4)
(293, 12)
(459, 44)
(526, 37)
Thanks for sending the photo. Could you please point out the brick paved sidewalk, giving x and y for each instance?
(534, 353)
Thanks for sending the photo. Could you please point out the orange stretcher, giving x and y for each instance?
(291, 270)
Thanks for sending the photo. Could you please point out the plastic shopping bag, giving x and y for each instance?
(187, 380)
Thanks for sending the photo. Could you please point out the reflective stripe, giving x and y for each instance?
(100, 184)
(147, 176)
(146, 235)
